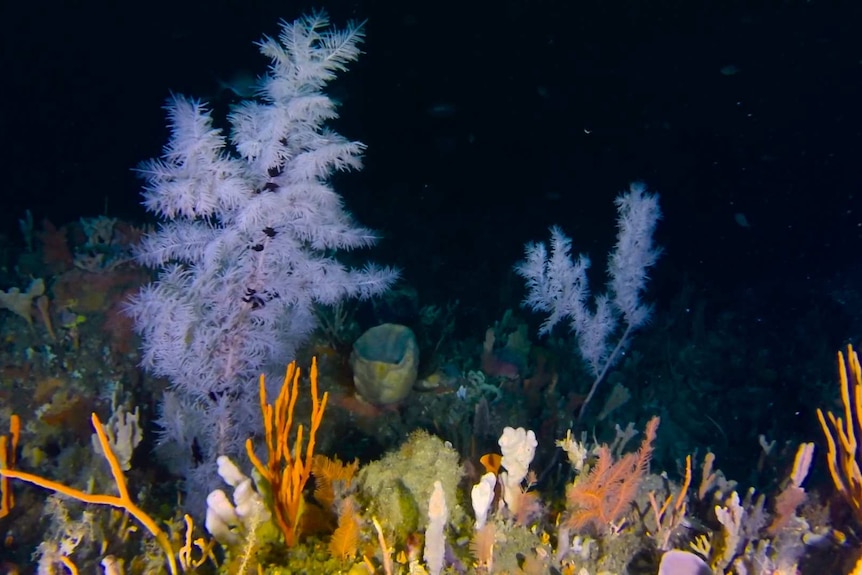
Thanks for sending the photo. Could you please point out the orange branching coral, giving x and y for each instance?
(841, 436)
(286, 472)
(602, 497)
(671, 515)
(123, 501)
(8, 449)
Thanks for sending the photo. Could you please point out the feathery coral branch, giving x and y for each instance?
(602, 497)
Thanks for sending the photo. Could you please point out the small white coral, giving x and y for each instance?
(576, 451)
(20, 303)
(123, 431)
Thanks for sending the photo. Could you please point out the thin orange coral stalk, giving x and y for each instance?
(8, 449)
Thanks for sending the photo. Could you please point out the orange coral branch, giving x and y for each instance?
(8, 449)
(123, 501)
(841, 443)
(68, 564)
(286, 470)
(669, 517)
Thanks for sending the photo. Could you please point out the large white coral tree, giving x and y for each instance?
(248, 242)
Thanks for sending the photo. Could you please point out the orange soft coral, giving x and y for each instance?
(604, 495)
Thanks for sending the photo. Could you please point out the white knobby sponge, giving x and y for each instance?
(518, 447)
(247, 511)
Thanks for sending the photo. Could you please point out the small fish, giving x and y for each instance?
(244, 84)
(441, 110)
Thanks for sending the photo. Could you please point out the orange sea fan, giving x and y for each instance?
(602, 497)
(345, 538)
(326, 473)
